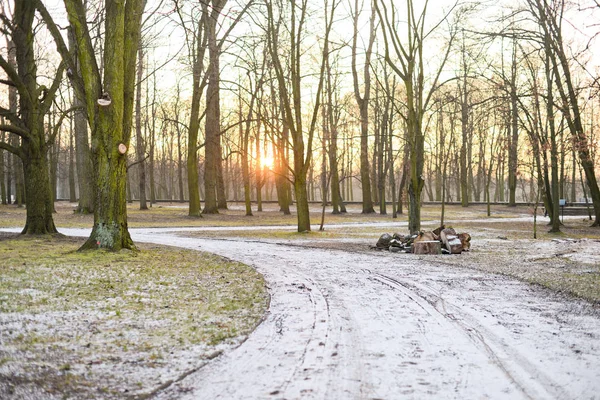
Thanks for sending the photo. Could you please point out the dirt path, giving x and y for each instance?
(344, 325)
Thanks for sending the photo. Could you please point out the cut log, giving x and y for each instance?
(427, 247)
(465, 239)
(454, 244)
(426, 236)
(447, 235)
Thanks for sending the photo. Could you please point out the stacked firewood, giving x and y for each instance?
(439, 241)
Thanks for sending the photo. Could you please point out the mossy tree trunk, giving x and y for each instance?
(113, 127)
(39, 196)
(109, 104)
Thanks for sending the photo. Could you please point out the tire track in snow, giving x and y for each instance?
(527, 378)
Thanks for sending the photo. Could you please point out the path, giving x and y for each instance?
(345, 325)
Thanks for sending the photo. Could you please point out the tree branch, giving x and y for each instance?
(14, 150)
(14, 77)
(16, 130)
(138, 162)
(58, 124)
(47, 103)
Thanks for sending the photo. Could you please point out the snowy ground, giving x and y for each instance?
(383, 326)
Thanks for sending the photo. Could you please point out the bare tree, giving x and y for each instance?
(27, 122)
(409, 64)
(291, 97)
(363, 105)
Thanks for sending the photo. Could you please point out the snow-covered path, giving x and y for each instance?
(345, 325)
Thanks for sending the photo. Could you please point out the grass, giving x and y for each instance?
(90, 322)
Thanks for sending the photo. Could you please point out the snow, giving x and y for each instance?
(381, 325)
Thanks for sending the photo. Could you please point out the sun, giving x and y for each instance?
(267, 162)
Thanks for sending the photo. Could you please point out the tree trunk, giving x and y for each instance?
(464, 122)
(3, 194)
(212, 154)
(82, 146)
(30, 160)
(113, 123)
(514, 134)
(39, 219)
(302, 204)
(72, 194)
(363, 106)
(194, 125)
(140, 146)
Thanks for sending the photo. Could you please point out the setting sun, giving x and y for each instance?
(267, 162)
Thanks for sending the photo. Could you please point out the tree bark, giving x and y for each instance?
(40, 206)
(140, 146)
(82, 145)
(363, 106)
(3, 194)
(212, 154)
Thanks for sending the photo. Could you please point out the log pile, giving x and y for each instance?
(439, 241)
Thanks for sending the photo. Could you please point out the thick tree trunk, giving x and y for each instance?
(194, 126)
(113, 123)
(553, 144)
(32, 150)
(302, 204)
(365, 176)
(363, 105)
(110, 229)
(192, 157)
(415, 184)
(40, 205)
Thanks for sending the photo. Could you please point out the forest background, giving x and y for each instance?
(383, 103)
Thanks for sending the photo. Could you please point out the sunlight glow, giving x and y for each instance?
(267, 162)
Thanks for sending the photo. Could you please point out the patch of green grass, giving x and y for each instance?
(585, 285)
(124, 308)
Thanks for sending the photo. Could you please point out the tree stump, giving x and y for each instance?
(427, 247)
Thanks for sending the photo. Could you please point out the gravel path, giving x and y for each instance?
(344, 325)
